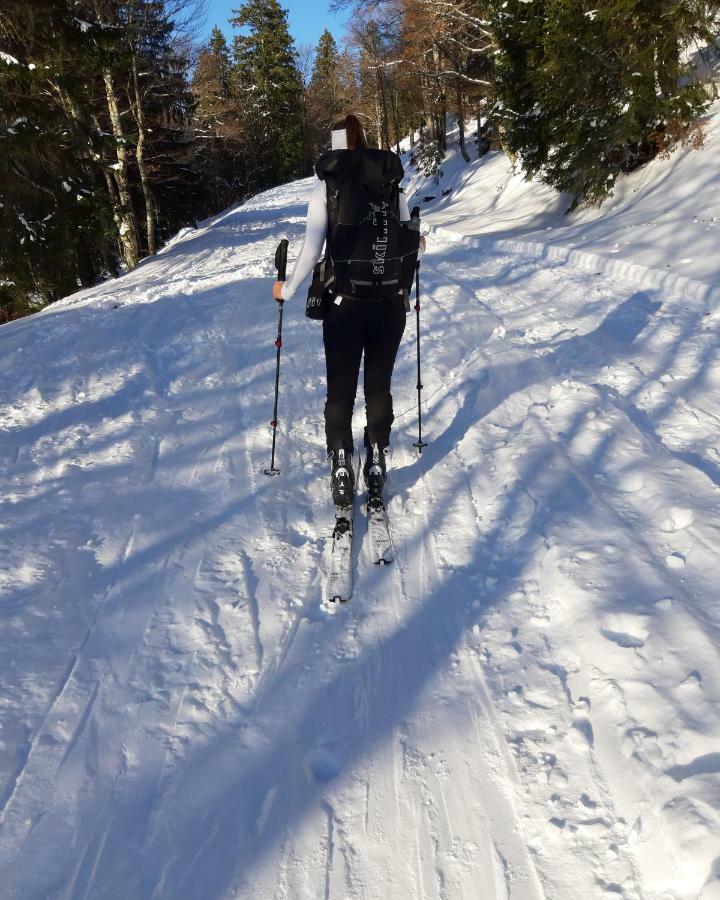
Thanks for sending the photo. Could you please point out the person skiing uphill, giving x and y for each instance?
(360, 295)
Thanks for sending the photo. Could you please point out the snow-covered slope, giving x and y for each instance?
(660, 227)
(524, 705)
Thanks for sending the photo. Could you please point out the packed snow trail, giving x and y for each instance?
(523, 705)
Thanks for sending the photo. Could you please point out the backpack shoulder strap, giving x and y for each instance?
(332, 200)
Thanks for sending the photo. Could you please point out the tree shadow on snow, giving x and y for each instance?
(302, 735)
(243, 788)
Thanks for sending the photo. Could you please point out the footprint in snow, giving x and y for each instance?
(675, 560)
(321, 765)
(625, 630)
(677, 518)
(582, 706)
(622, 639)
(585, 555)
(693, 680)
(583, 726)
(642, 744)
(581, 734)
(630, 482)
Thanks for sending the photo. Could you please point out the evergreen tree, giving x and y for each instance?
(375, 49)
(218, 48)
(269, 88)
(211, 82)
(55, 223)
(588, 91)
(161, 103)
(327, 96)
(106, 147)
(220, 144)
(94, 116)
(325, 70)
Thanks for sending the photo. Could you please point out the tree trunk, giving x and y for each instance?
(427, 106)
(461, 121)
(378, 120)
(441, 117)
(112, 193)
(127, 227)
(442, 123)
(396, 122)
(150, 211)
(383, 107)
(85, 265)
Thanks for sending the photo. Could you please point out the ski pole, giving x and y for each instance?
(419, 443)
(280, 265)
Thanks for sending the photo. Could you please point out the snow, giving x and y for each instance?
(8, 60)
(661, 226)
(523, 705)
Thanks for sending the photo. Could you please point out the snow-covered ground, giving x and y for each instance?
(526, 704)
(661, 227)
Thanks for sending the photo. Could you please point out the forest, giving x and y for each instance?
(119, 126)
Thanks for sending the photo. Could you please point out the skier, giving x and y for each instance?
(363, 320)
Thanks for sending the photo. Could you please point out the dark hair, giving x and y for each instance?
(355, 133)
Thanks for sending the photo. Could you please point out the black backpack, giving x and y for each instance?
(368, 251)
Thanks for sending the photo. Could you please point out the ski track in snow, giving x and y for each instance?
(523, 705)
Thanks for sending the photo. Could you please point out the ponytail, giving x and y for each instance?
(354, 131)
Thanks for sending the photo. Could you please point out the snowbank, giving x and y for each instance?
(661, 227)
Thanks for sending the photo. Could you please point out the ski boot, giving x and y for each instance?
(342, 478)
(374, 472)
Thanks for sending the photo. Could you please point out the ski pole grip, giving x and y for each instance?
(281, 259)
(415, 219)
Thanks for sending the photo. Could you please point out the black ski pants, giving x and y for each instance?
(351, 328)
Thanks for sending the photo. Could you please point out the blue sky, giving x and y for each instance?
(307, 19)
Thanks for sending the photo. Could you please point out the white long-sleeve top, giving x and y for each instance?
(315, 234)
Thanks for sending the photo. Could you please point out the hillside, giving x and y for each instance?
(524, 705)
(660, 227)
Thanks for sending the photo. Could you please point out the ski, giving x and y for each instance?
(379, 532)
(339, 585)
